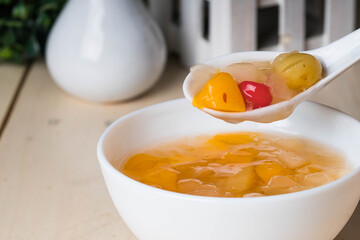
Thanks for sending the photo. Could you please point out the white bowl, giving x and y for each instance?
(154, 214)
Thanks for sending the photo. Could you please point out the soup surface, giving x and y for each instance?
(243, 164)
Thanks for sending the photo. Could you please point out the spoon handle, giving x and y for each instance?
(341, 54)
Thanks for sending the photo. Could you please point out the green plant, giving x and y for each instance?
(24, 26)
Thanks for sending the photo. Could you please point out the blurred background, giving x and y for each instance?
(24, 27)
(197, 30)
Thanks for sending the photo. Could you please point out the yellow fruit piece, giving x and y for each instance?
(176, 159)
(268, 170)
(233, 158)
(300, 70)
(281, 185)
(308, 170)
(141, 162)
(196, 187)
(220, 93)
(235, 139)
(291, 144)
(241, 182)
(189, 185)
(292, 160)
(214, 144)
(224, 142)
(315, 179)
(204, 174)
(186, 169)
(164, 178)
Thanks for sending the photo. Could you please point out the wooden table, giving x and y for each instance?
(51, 186)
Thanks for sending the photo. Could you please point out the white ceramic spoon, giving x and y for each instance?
(335, 58)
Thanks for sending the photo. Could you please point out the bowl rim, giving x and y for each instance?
(104, 163)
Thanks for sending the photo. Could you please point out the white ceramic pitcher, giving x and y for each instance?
(105, 50)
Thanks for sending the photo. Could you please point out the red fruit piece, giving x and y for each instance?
(256, 95)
